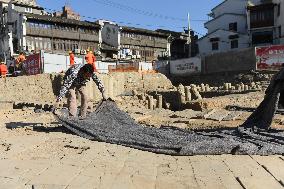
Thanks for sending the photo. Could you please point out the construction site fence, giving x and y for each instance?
(56, 63)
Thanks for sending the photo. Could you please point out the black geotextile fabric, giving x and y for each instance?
(263, 115)
(109, 124)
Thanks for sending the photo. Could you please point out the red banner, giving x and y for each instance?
(270, 57)
(32, 65)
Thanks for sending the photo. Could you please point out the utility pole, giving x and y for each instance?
(189, 37)
(188, 27)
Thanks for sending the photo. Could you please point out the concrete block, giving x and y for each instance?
(195, 93)
(187, 94)
(151, 103)
(205, 114)
(160, 102)
(232, 116)
(202, 86)
(218, 115)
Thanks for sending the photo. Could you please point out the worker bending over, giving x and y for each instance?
(75, 79)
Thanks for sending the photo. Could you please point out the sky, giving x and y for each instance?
(148, 14)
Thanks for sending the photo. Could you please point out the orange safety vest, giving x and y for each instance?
(72, 59)
(3, 69)
(91, 59)
(20, 59)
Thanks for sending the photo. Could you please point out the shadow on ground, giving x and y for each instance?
(39, 127)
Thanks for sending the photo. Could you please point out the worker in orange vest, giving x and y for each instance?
(72, 58)
(19, 61)
(91, 59)
(3, 69)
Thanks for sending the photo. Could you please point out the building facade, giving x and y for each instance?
(12, 31)
(227, 30)
(26, 27)
(143, 44)
(238, 24)
(265, 22)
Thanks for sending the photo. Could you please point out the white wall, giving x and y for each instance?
(205, 46)
(185, 67)
(231, 6)
(223, 23)
(110, 34)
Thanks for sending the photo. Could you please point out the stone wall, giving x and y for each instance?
(242, 60)
(44, 88)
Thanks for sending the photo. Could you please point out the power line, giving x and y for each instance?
(137, 11)
(132, 24)
(120, 22)
(142, 12)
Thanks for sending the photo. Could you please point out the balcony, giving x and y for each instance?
(261, 16)
(144, 42)
(55, 33)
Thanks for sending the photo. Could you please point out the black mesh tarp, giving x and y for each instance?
(262, 117)
(109, 124)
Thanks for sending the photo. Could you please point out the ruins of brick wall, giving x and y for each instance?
(45, 87)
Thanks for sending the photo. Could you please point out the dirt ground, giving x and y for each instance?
(37, 152)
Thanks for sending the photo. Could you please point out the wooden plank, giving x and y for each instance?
(211, 172)
(138, 172)
(273, 164)
(175, 172)
(250, 173)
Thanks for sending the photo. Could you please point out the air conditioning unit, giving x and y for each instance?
(83, 52)
(122, 56)
(114, 56)
(138, 56)
(77, 51)
(30, 48)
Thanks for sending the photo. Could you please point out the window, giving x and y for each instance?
(215, 46)
(233, 26)
(280, 31)
(28, 10)
(278, 9)
(265, 37)
(262, 16)
(234, 44)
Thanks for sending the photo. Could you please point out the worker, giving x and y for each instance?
(75, 79)
(91, 59)
(72, 58)
(19, 61)
(3, 69)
